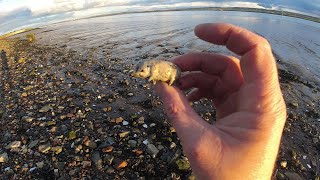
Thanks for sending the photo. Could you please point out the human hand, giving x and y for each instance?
(243, 142)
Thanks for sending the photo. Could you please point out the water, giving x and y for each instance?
(166, 34)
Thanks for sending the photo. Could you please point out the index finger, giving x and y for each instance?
(257, 62)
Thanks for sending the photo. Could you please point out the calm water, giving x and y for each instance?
(164, 34)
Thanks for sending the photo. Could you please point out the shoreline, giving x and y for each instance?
(236, 9)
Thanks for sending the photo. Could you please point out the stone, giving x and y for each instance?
(145, 126)
(56, 172)
(152, 150)
(119, 120)
(45, 109)
(44, 148)
(315, 140)
(125, 123)
(110, 170)
(107, 149)
(56, 149)
(40, 164)
(132, 143)
(130, 94)
(281, 176)
(145, 142)
(96, 158)
(108, 158)
(90, 144)
(110, 140)
(152, 124)
(4, 157)
(121, 164)
(183, 164)
(107, 109)
(72, 135)
(124, 134)
(294, 104)
(27, 119)
(86, 164)
(283, 164)
(293, 176)
(140, 120)
(160, 147)
(14, 144)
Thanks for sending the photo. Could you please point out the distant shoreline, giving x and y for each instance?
(237, 9)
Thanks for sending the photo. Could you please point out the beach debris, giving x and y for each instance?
(158, 70)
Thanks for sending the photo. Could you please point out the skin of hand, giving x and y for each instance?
(243, 142)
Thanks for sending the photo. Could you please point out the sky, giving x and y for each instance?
(17, 14)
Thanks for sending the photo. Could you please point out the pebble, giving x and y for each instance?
(183, 164)
(14, 144)
(110, 170)
(283, 164)
(145, 142)
(57, 149)
(140, 120)
(145, 125)
(45, 108)
(96, 158)
(107, 109)
(293, 176)
(315, 140)
(86, 164)
(108, 159)
(90, 144)
(132, 143)
(124, 134)
(32, 169)
(44, 148)
(40, 164)
(107, 149)
(125, 123)
(27, 119)
(152, 124)
(160, 147)
(4, 157)
(173, 145)
(152, 150)
(110, 140)
(56, 172)
(72, 135)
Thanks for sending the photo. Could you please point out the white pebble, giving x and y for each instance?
(125, 123)
(32, 169)
(135, 135)
(145, 125)
(304, 157)
(309, 166)
(145, 142)
(152, 124)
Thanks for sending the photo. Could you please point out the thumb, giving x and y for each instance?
(185, 120)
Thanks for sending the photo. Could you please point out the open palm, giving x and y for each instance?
(244, 141)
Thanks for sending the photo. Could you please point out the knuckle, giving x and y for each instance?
(264, 43)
